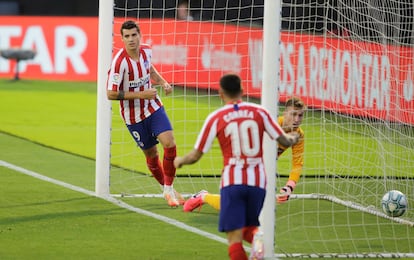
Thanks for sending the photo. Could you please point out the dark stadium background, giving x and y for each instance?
(218, 10)
(310, 16)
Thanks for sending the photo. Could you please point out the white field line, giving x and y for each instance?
(190, 228)
(116, 202)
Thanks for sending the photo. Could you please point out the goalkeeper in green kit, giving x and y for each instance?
(290, 121)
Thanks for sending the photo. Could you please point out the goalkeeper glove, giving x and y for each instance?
(285, 192)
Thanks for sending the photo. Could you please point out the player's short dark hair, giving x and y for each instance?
(127, 25)
(231, 85)
(295, 102)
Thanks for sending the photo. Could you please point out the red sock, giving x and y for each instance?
(168, 164)
(248, 233)
(154, 165)
(236, 252)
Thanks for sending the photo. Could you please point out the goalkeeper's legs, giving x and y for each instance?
(198, 199)
(213, 200)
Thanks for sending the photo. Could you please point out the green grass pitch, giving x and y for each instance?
(49, 128)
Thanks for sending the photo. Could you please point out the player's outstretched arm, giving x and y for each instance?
(285, 192)
(190, 158)
(288, 139)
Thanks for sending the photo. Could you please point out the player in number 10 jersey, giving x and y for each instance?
(239, 127)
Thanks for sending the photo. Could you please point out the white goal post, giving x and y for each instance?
(352, 64)
(103, 110)
(271, 53)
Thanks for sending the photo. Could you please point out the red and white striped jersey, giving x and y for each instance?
(132, 76)
(239, 129)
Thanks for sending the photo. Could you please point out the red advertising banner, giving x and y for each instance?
(66, 47)
(357, 78)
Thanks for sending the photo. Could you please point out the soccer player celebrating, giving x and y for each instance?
(130, 81)
(239, 127)
(290, 121)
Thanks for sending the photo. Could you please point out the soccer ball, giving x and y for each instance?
(394, 203)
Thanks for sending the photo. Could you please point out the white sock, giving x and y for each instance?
(168, 189)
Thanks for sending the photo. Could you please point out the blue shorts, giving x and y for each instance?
(145, 132)
(240, 206)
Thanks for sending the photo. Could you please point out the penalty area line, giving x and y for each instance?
(117, 202)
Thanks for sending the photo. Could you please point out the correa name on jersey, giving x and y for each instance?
(238, 114)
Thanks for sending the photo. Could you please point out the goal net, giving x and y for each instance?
(350, 61)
